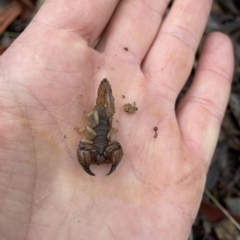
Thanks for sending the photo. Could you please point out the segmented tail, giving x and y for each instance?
(105, 97)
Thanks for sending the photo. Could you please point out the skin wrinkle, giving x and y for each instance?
(139, 175)
(183, 35)
(153, 6)
(175, 2)
(17, 174)
(48, 33)
(148, 4)
(90, 194)
(186, 217)
(64, 37)
(121, 59)
(155, 80)
(195, 149)
(140, 5)
(205, 104)
(14, 203)
(88, 25)
(55, 71)
(36, 233)
(39, 103)
(162, 88)
(173, 58)
(72, 109)
(105, 223)
(13, 200)
(42, 207)
(19, 138)
(35, 23)
(159, 108)
(15, 160)
(219, 71)
(49, 180)
(62, 224)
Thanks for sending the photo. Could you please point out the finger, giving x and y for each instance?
(169, 62)
(87, 18)
(201, 111)
(132, 29)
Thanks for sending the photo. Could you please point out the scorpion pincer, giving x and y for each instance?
(97, 147)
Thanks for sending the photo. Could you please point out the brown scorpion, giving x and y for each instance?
(97, 147)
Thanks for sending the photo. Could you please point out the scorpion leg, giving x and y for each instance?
(86, 154)
(112, 130)
(90, 133)
(92, 123)
(113, 153)
(93, 118)
(86, 141)
(110, 134)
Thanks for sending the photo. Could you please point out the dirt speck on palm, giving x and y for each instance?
(130, 107)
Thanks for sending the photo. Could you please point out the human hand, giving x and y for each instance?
(50, 75)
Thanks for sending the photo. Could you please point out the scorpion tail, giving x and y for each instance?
(105, 97)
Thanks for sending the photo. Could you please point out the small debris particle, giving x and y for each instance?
(123, 96)
(130, 107)
(126, 49)
(155, 129)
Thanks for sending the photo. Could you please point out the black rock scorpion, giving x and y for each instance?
(97, 147)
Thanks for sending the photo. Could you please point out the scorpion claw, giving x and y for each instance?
(114, 154)
(86, 151)
(87, 170)
(113, 168)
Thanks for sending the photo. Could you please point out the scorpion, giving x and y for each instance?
(97, 147)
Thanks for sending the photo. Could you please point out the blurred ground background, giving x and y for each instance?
(219, 213)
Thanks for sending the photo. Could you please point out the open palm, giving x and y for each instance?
(50, 76)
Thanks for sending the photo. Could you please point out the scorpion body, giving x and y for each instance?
(97, 147)
(102, 130)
